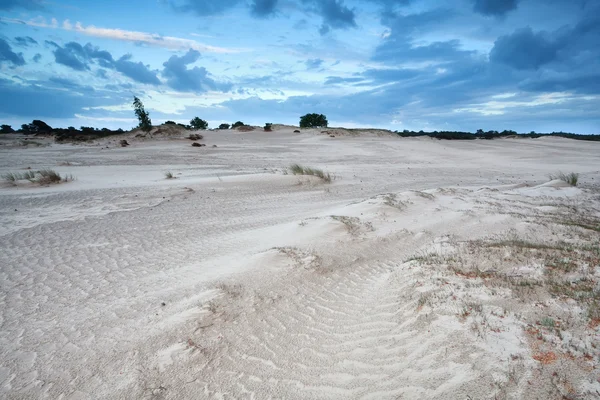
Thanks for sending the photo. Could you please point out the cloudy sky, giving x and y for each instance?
(399, 64)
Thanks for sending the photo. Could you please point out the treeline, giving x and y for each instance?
(38, 127)
(480, 134)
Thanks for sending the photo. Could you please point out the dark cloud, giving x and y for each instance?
(37, 57)
(27, 4)
(494, 7)
(263, 8)
(136, 71)
(313, 63)
(185, 79)
(25, 41)
(524, 49)
(72, 55)
(336, 15)
(205, 7)
(9, 56)
(79, 58)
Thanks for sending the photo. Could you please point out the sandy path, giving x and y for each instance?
(86, 267)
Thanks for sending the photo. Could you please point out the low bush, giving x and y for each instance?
(195, 136)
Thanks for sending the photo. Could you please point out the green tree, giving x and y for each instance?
(268, 127)
(224, 126)
(142, 115)
(236, 124)
(197, 123)
(313, 121)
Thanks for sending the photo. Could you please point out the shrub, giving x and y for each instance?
(268, 127)
(142, 115)
(169, 175)
(6, 129)
(297, 169)
(571, 178)
(224, 126)
(237, 124)
(170, 123)
(197, 123)
(195, 136)
(313, 121)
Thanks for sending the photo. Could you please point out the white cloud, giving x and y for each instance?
(151, 39)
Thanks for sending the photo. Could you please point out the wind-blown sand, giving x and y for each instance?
(426, 269)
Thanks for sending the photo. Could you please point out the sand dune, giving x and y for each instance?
(426, 269)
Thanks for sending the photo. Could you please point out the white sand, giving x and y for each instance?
(276, 286)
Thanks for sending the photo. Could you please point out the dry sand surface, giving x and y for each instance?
(426, 269)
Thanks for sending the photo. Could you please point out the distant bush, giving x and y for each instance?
(224, 126)
(313, 121)
(237, 124)
(170, 123)
(6, 129)
(571, 178)
(268, 127)
(197, 123)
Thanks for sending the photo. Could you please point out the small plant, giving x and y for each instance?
(169, 175)
(571, 178)
(297, 169)
(548, 322)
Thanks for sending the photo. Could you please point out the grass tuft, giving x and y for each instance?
(41, 177)
(169, 175)
(297, 169)
(571, 178)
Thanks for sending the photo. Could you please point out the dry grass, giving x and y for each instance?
(169, 175)
(297, 169)
(41, 177)
(571, 178)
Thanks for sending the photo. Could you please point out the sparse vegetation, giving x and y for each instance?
(41, 177)
(571, 178)
(237, 124)
(313, 121)
(169, 175)
(297, 169)
(224, 126)
(268, 127)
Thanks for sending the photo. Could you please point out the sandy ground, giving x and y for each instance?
(426, 269)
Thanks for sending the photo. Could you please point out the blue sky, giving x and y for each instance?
(398, 64)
